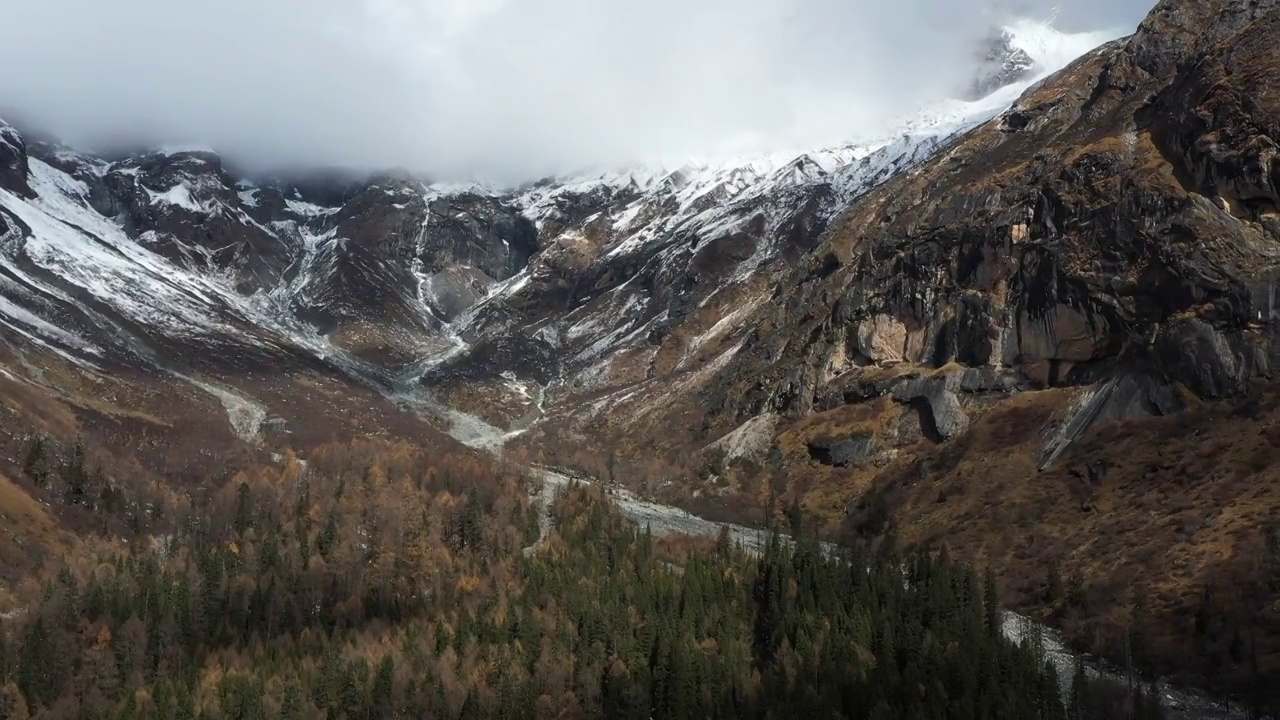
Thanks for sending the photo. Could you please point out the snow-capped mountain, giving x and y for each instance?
(1035, 323)
(165, 258)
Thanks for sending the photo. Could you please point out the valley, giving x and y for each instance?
(1033, 327)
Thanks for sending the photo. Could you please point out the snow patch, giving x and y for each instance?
(309, 210)
(178, 196)
(516, 386)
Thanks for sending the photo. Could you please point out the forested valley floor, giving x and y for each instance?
(379, 581)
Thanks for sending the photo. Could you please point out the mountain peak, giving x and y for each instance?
(1001, 62)
(1025, 49)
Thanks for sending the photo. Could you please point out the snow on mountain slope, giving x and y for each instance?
(590, 282)
(66, 259)
(1050, 49)
(628, 256)
(644, 203)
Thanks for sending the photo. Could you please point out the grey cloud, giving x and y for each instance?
(507, 88)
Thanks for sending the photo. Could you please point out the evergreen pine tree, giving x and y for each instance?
(328, 536)
(1077, 697)
(34, 463)
(1054, 592)
(795, 517)
(382, 694)
(291, 702)
(244, 508)
(471, 708)
(991, 602)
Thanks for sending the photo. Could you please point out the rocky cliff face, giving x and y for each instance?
(596, 279)
(1118, 219)
(13, 161)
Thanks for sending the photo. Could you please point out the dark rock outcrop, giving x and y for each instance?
(453, 290)
(843, 452)
(13, 162)
(480, 232)
(186, 207)
(402, 257)
(521, 356)
(1120, 398)
(368, 273)
(326, 187)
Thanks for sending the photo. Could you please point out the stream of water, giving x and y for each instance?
(668, 520)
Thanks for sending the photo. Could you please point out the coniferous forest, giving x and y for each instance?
(384, 584)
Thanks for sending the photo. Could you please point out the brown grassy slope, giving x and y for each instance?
(28, 531)
(1149, 509)
(159, 438)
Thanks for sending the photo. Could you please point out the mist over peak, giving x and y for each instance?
(500, 89)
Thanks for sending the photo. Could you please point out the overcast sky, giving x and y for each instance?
(498, 87)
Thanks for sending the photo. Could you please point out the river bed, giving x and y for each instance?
(668, 520)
